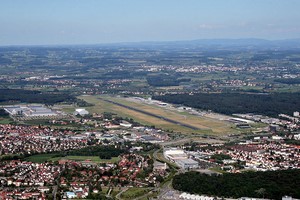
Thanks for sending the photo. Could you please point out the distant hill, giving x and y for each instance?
(248, 43)
(244, 43)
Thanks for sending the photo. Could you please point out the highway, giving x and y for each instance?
(152, 115)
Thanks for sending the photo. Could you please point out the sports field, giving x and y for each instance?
(204, 125)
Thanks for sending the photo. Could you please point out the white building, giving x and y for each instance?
(159, 166)
(174, 154)
(125, 124)
(71, 195)
(187, 196)
(297, 137)
(81, 112)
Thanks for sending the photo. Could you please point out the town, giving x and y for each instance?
(137, 156)
(113, 128)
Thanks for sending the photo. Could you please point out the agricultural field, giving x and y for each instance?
(205, 125)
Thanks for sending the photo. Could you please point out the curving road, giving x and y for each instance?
(118, 196)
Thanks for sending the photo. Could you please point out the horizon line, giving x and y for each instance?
(146, 41)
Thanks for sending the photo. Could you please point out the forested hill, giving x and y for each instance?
(270, 184)
(229, 103)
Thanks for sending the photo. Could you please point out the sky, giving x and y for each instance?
(50, 22)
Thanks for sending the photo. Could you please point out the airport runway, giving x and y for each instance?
(152, 115)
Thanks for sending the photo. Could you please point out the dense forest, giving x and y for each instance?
(289, 81)
(229, 103)
(270, 184)
(104, 152)
(3, 113)
(28, 96)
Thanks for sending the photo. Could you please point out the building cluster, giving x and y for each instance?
(32, 111)
(79, 178)
(264, 156)
(27, 180)
(283, 120)
(260, 154)
(194, 68)
(173, 194)
(235, 83)
(134, 134)
(144, 134)
(75, 179)
(32, 139)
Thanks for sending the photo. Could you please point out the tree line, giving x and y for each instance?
(104, 152)
(288, 81)
(229, 103)
(269, 184)
(29, 96)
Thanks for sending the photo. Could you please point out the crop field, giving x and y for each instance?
(204, 125)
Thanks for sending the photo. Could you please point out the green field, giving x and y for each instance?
(5, 120)
(132, 193)
(40, 158)
(95, 159)
(55, 157)
(206, 125)
(45, 122)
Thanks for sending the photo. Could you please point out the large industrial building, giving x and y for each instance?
(187, 163)
(29, 111)
(180, 158)
(174, 154)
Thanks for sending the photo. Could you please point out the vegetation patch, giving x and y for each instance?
(94, 159)
(28, 96)
(269, 184)
(132, 193)
(104, 152)
(40, 158)
(229, 103)
(5, 120)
